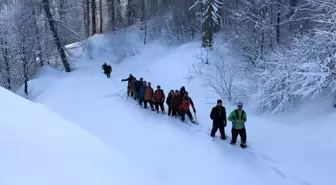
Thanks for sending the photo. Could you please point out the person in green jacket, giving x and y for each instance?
(238, 119)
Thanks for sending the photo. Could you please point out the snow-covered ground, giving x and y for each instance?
(38, 147)
(293, 148)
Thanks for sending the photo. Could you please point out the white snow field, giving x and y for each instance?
(38, 147)
(295, 148)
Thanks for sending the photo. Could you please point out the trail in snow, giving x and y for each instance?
(174, 152)
(151, 140)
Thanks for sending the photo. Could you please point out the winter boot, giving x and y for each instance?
(232, 143)
(223, 137)
(243, 145)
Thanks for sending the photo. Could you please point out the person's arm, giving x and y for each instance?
(244, 118)
(212, 114)
(224, 115)
(232, 116)
(124, 79)
(192, 104)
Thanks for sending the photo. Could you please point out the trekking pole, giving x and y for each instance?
(196, 118)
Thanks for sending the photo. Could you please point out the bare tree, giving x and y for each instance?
(55, 35)
(93, 17)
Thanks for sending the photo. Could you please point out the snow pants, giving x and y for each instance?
(141, 99)
(172, 111)
(157, 104)
(217, 126)
(241, 133)
(184, 112)
(150, 104)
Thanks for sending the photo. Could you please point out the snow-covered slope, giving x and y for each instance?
(38, 147)
(293, 148)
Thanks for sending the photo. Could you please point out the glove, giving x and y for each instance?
(194, 110)
(224, 122)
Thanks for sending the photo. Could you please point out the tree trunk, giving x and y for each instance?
(111, 10)
(278, 24)
(7, 67)
(55, 35)
(87, 17)
(101, 16)
(93, 17)
(39, 54)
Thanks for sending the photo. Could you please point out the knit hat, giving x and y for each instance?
(239, 103)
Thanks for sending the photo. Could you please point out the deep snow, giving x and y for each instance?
(38, 147)
(293, 148)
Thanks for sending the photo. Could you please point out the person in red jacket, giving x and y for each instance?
(186, 102)
(158, 99)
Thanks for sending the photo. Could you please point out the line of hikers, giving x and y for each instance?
(178, 102)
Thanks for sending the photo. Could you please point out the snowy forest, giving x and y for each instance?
(288, 45)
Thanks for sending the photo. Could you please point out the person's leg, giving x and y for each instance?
(151, 105)
(162, 106)
(242, 134)
(189, 115)
(145, 104)
(234, 136)
(214, 130)
(182, 115)
(157, 106)
(173, 111)
(169, 110)
(222, 131)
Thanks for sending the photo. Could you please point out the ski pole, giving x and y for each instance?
(196, 118)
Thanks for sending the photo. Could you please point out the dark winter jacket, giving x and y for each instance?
(218, 115)
(182, 92)
(129, 80)
(142, 91)
(169, 100)
(138, 84)
(176, 101)
(104, 66)
(108, 69)
(159, 96)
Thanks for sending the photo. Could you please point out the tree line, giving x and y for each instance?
(288, 44)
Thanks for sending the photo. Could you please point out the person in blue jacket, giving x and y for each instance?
(142, 92)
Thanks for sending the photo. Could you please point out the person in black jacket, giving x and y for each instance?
(218, 115)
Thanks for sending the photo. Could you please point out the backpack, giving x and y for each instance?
(242, 115)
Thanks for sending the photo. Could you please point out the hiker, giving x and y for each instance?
(133, 88)
(158, 99)
(218, 116)
(138, 84)
(107, 69)
(176, 101)
(169, 101)
(238, 119)
(182, 91)
(129, 80)
(142, 92)
(149, 94)
(184, 108)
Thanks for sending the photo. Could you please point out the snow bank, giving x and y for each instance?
(45, 77)
(38, 148)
